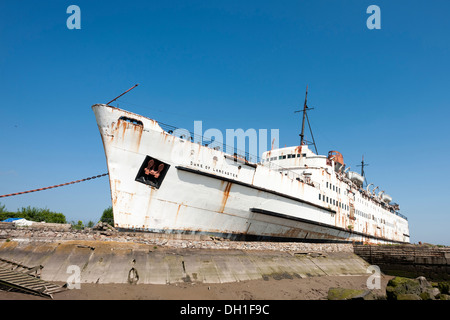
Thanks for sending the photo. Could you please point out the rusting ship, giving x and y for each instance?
(162, 182)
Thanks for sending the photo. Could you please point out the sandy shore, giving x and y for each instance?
(314, 288)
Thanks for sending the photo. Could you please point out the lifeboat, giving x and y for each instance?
(386, 198)
(356, 178)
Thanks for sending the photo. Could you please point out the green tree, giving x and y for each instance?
(5, 214)
(78, 225)
(107, 216)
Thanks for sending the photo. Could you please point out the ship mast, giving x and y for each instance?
(302, 134)
(362, 165)
(305, 116)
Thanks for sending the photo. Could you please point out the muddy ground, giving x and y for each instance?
(314, 288)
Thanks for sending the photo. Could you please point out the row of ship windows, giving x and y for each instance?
(334, 202)
(368, 216)
(376, 206)
(288, 156)
(345, 207)
(364, 215)
(333, 187)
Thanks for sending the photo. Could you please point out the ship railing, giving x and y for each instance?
(401, 215)
(212, 144)
(233, 151)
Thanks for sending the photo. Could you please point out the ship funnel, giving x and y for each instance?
(338, 159)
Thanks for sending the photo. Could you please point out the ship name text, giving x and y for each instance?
(215, 170)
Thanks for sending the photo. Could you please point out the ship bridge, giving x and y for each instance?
(301, 162)
(299, 159)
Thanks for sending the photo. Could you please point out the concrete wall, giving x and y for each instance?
(431, 262)
(118, 262)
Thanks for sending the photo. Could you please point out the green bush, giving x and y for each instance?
(107, 216)
(79, 225)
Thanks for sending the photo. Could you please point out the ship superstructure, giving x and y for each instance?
(355, 207)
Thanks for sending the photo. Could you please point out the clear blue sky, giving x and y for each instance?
(232, 64)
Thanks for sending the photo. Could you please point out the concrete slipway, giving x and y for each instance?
(124, 262)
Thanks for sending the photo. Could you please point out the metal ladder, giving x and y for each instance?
(17, 277)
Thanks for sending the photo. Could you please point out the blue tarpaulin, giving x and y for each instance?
(11, 219)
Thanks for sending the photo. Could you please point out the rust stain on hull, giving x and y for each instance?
(178, 211)
(226, 193)
(138, 130)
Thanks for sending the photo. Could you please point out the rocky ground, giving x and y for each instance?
(104, 232)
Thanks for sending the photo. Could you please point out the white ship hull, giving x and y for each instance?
(202, 190)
